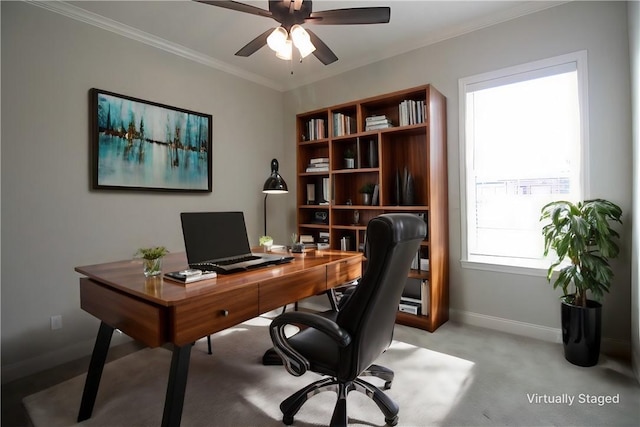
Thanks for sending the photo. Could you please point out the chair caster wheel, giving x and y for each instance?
(391, 421)
(289, 420)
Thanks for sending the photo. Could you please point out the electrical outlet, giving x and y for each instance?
(56, 322)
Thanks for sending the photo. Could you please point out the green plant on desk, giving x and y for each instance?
(151, 259)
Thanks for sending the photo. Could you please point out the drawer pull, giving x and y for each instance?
(224, 313)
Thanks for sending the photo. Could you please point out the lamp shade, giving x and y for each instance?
(277, 39)
(275, 184)
(302, 41)
(286, 52)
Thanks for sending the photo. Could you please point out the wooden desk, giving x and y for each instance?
(156, 311)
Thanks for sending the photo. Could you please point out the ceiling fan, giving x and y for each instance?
(291, 14)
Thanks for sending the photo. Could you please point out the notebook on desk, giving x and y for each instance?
(218, 241)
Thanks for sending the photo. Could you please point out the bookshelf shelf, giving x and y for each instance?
(407, 163)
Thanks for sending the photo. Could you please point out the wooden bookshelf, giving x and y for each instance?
(329, 199)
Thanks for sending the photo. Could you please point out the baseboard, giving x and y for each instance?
(54, 358)
(515, 327)
(610, 346)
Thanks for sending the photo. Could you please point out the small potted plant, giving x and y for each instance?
(367, 191)
(349, 159)
(581, 233)
(266, 242)
(152, 259)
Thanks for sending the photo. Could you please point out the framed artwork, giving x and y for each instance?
(146, 146)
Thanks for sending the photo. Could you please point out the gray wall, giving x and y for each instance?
(52, 222)
(634, 53)
(518, 303)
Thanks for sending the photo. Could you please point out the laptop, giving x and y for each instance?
(217, 241)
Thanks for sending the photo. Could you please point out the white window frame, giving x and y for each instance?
(517, 73)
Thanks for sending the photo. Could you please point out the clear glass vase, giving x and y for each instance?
(152, 267)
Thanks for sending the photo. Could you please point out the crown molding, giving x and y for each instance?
(82, 15)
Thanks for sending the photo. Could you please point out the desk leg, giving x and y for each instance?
(176, 387)
(99, 356)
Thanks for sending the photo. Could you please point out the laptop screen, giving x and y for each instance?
(214, 235)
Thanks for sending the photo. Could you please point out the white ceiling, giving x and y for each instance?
(211, 35)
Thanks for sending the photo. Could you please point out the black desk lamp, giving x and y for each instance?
(273, 185)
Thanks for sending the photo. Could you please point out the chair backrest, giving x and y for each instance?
(370, 312)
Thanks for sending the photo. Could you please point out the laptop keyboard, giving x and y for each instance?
(237, 260)
(211, 265)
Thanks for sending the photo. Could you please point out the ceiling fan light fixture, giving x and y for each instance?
(302, 40)
(307, 49)
(278, 39)
(285, 52)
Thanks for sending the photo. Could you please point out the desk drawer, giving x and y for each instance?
(343, 272)
(140, 320)
(285, 290)
(212, 313)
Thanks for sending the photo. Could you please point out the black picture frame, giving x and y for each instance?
(147, 146)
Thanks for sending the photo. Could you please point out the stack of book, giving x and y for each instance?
(316, 129)
(377, 122)
(190, 276)
(343, 124)
(411, 112)
(323, 237)
(307, 241)
(318, 164)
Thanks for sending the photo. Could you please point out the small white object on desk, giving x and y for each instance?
(190, 276)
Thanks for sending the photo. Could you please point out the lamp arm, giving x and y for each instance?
(265, 213)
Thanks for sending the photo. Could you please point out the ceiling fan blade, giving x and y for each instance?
(322, 52)
(240, 7)
(254, 45)
(357, 15)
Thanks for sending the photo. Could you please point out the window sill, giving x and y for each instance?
(532, 268)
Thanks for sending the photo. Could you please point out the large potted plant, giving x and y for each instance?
(581, 234)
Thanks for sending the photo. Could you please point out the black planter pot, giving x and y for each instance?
(581, 332)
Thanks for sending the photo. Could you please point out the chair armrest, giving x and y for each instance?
(295, 363)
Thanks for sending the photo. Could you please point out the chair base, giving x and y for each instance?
(389, 408)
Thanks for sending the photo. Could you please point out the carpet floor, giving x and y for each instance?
(232, 388)
(458, 376)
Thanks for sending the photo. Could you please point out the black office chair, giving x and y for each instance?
(344, 344)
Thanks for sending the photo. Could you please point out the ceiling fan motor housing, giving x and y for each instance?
(287, 16)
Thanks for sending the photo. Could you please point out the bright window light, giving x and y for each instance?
(523, 140)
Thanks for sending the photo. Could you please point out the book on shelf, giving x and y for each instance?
(323, 237)
(317, 168)
(410, 305)
(316, 129)
(319, 160)
(377, 122)
(376, 118)
(379, 126)
(306, 239)
(411, 112)
(186, 277)
(343, 124)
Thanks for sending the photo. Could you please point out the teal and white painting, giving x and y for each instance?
(142, 145)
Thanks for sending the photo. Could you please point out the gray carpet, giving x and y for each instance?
(232, 388)
(457, 376)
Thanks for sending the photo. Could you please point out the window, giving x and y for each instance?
(523, 142)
